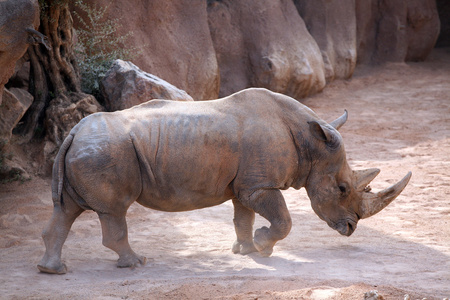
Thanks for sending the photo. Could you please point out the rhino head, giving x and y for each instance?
(339, 195)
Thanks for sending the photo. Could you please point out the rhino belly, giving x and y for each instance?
(180, 200)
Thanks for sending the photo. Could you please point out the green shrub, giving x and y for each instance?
(98, 46)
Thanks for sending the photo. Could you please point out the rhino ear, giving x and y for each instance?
(319, 132)
(327, 134)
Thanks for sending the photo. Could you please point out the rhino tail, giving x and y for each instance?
(58, 170)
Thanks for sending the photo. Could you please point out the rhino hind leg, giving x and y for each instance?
(55, 234)
(269, 204)
(244, 219)
(115, 237)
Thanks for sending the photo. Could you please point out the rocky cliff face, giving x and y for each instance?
(212, 48)
(289, 46)
(333, 26)
(396, 30)
(264, 44)
(16, 19)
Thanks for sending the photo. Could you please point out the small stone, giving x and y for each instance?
(373, 295)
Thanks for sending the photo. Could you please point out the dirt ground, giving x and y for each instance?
(399, 120)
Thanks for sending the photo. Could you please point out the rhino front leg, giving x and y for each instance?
(244, 219)
(55, 234)
(115, 237)
(269, 204)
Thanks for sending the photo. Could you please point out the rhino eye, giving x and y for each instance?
(343, 188)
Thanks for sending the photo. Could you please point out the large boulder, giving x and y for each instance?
(65, 111)
(125, 85)
(15, 104)
(264, 43)
(173, 38)
(16, 16)
(332, 23)
(396, 30)
(422, 30)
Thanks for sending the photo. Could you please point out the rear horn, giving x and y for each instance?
(340, 121)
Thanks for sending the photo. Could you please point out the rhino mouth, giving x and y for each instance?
(345, 227)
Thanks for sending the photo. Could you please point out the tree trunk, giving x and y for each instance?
(53, 70)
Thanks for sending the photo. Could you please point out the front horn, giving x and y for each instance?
(373, 203)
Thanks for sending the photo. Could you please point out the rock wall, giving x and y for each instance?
(264, 43)
(16, 16)
(332, 23)
(289, 46)
(216, 47)
(396, 30)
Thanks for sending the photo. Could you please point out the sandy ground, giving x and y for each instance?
(399, 121)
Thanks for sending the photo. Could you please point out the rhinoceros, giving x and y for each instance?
(179, 156)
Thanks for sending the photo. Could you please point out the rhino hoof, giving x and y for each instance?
(62, 269)
(236, 247)
(243, 248)
(266, 252)
(262, 241)
(131, 262)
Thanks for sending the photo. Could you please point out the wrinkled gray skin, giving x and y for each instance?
(178, 156)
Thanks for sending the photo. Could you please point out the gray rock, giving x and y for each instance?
(373, 295)
(15, 104)
(65, 111)
(125, 85)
